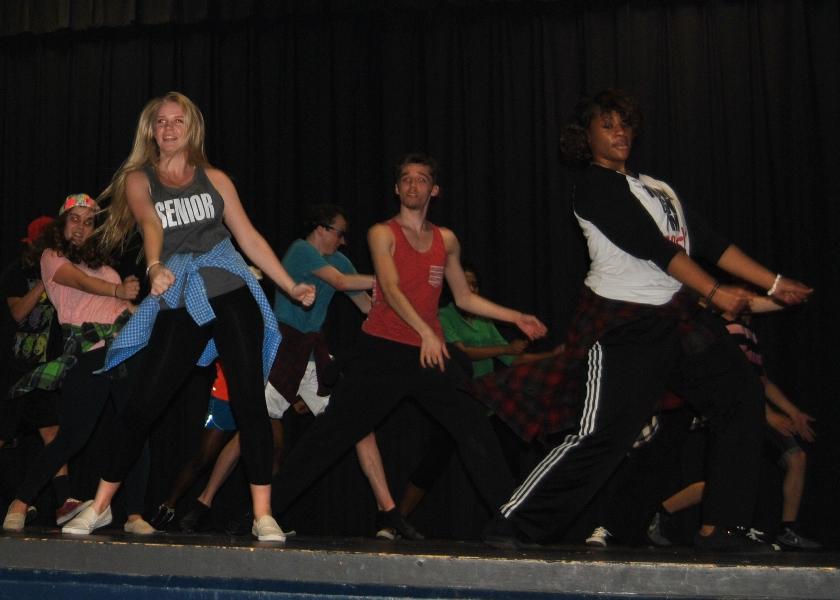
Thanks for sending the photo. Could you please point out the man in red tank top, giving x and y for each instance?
(402, 351)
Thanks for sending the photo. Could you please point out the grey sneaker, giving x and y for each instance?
(789, 538)
(655, 530)
(599, 537)
(87, 521)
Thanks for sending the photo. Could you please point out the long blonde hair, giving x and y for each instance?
(114, 233)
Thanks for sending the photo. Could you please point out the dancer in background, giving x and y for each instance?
(92, 303)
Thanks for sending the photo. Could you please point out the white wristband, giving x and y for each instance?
(773, 287)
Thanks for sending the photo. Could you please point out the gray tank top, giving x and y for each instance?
(192, 223)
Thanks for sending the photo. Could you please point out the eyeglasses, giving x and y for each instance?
(339, 232)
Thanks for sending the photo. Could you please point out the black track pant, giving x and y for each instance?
(628, 371)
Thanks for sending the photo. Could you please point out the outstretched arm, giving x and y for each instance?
(70, 275)
(253, 244)
(470, 302)
(140, 204)
(344, 282)
(785, 290)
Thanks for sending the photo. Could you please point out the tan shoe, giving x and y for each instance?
(87, 521)
(266, 529)
(139, 527)
(14, 521)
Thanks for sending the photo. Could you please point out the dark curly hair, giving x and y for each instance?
(88, 253)
(574, 144)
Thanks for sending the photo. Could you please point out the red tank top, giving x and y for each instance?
(421, 280)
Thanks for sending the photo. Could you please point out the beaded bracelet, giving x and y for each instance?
(773, 287)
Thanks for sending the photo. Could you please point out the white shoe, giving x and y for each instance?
(139, 527)
(14, 522)
(266, 529)
(87, 521)
(599, 537)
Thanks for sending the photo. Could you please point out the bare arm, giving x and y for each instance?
(140, 204)
(21, 306)
(344, 282)
(381, 244)
(253, 244)
(71, 276)
(472, 303)
(515, 348)
(362, 301)
(801, 421)
(788, 291)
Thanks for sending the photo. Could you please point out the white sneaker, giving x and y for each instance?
(599, 537)
(139, 527)
(86, 521)
(266, 529)
(14, 522)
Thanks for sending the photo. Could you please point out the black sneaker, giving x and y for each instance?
(195, 517)
(656, 530)
(790, 538)
(736, 540)
(392, 519)
(163, 517)
(241, 525)
(500, 533)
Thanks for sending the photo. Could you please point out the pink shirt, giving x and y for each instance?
(75, 306)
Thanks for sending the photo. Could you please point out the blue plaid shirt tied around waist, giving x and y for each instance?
(189, 285)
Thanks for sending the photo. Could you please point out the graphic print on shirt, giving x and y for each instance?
(176, 212)
(33, 334)
(676, 233)
(435, 275)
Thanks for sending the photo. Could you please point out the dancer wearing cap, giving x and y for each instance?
(92, 303)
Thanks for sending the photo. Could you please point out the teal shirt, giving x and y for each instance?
(300, 261)
(476, 331)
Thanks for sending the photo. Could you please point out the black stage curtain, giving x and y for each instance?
(313, 102)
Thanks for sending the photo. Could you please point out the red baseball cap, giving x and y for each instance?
(36, 228)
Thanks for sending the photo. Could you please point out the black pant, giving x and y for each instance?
(83, 397)
(377, 377)
(175, 345)
(628, 371)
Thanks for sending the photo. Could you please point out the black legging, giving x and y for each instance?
(175, 345)
(83, 397)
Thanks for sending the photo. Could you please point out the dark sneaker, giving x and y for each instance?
(392, 519)
(500, 533)
(737, 540)
(656, 530)
(32, 515)
(163, 517)
(790, 538)
(68, 510)
(599, 537)
(241, 525)
(195, 518)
